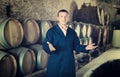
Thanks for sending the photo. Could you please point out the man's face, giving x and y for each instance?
(63, 18)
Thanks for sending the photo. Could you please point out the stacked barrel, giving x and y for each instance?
(88, 34)
(91, 33)
(11, 34)
(104, 21)
(116, 31)
(21, 51)
(8, 66)
(81, 30)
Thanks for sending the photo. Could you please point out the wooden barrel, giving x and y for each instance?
(106, 19)
(8, 65)
(45, 25)
(89, 30)
(83, 30)
(102, 17)
(71, 25)
(96, 34)
(11, 33)
(85, 41)
(90, 40)
(1, 19)
(115, 39)
(99, 14)
(76, 65)
(41, 56)
(77, 28)
(104, 32)
(109, 34)
(80, 29)
(3, 43)
(31, 31)
(25, 60)
(81, 41)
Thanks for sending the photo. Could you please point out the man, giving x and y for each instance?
(60, 42)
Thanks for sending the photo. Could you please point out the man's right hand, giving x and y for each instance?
(51, 47)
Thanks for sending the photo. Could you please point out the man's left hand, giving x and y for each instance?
(91, 46)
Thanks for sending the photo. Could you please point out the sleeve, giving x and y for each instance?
(77, 47)
(47, 38)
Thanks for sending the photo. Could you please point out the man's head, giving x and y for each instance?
(63, 17)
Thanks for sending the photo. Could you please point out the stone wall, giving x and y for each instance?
(47, 9)
(39, 9)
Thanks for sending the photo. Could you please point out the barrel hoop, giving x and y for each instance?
(45, 25)
(39, 59)
(21, 57)
(5, 44)
(2, 54)
(36, 31)
(15, 64)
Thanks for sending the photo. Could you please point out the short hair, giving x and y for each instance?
(62, 10)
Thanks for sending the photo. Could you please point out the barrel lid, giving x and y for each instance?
(45, 25)
(13, 32)
(2, 37)
(27, 60)
(31, 31)
(8, 63)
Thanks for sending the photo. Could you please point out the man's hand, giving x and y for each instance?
(51, 47)
(91, 46)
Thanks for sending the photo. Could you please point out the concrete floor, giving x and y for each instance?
(109, 55)
(40, 73)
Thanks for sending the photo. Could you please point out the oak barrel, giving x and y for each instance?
(96, 34)
(77, 28)
(31, 31)
(115, 38)
(45, 26)
(11, 33)
(41, 56)
(81, 29)
(104, 33)
(8, 65)
(25, 60)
